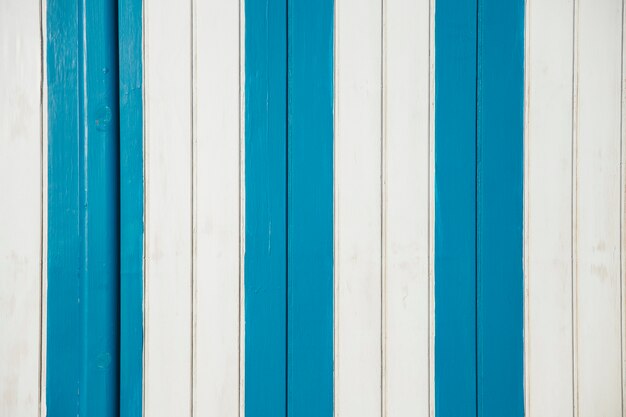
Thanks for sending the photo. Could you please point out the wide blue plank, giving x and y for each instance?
(500, 208)
(455, 208)
(83, 222)
(265, 264)
(310, 208)
(131, 207)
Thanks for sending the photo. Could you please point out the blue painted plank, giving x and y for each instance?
(131, 207)
(455, 208)
(310, 208)
(83, 245)
(500, 208)
(265, 264)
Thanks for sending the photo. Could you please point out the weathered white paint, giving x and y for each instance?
(548, 208)
(598, 201)
(358, 208)
(168, 208)
(574, 208)
(21, 207)
(216, 189)
(406, 195)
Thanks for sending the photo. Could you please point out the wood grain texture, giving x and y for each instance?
(217, 202)
(310, 208)
(548, 206)
(21, 207)
(168, 208)
(597, 207)
(406, 239)
(358, 208)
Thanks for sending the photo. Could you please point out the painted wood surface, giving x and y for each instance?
(358, 208)
(499, 223)
(168, 208)
(310, 208)
(21, 187)
(574, 208)
(130, 42)
(83, 209)
(216, 180)
(265, 269)
(455, 208)
(407, 219)
(548, 209)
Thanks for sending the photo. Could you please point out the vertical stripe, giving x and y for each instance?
(83, 251)
(455, 208)
(21, 207)
(131, 206)
(168, 208)
(217, 199)
(406, 202)
(548, 204)
(597, 142)
(310, 208)
(358, 208)
(265, 207)
(500, 296)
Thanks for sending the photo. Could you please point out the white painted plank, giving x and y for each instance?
(358, 208)
(168, 208)
(406, 207)
(216, 349)
(598, 199)
(20, 210)
(548, 207)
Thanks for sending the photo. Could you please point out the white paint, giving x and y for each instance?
(358, 210)
(21, 207)
(574, 208)
(406, 199)
(217, 186)
(168, 208)
(548, 208)
(598, 203)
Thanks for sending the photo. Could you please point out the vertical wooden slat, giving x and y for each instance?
(598, 217)
(548, 205)
(216, 308)
(20, 221)
(168, 209)
(406, 196)
(358, 208)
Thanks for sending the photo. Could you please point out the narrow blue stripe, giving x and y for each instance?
(131, 207)
(265, 265)
(310, 208)
(83, 245)
(455, 208)
(500, 208)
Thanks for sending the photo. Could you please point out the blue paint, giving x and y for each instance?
(265, 266)
(310, 208)
(455, 208)
(131, 207)
(500, 208)
(83, 217)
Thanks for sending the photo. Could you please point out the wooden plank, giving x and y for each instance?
(499, 161)
(597, 207)
(21, 219)
(548, 208)
(130, 41)
(310, 208)
(168, 209)
(265, 266)
(216, 190)
(358, 208)
(455, 208)
(406, 239)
